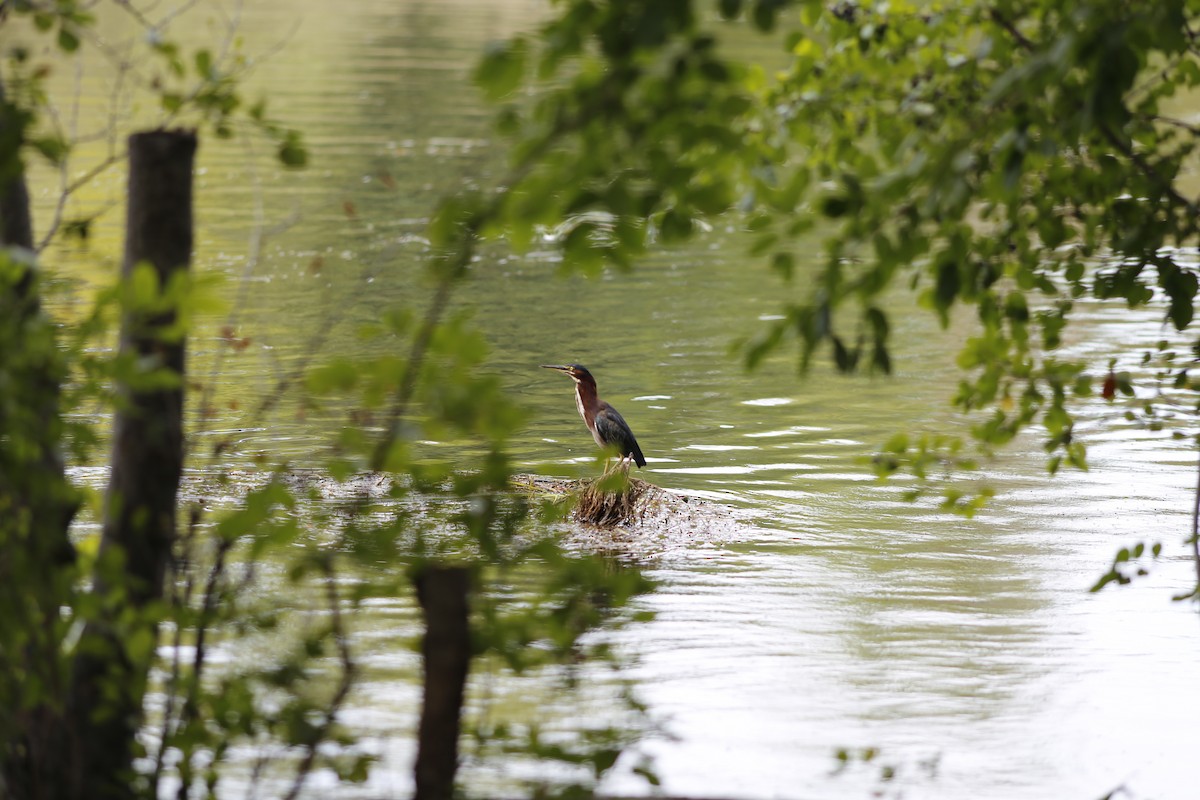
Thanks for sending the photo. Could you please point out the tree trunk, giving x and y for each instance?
(442, 592)
(16, 227)
(147, 450)
(147, 459)
(37, 502)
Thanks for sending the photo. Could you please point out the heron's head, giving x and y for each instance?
(577, 372)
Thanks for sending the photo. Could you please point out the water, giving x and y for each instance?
(967, 652)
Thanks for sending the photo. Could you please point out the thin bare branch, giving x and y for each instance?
(71, 188)
(1011, 28)
(227, 66)
(1196, 529)
(284, 383)
(259, 234)
(181, 565)
(349, 670)
(456, 267)
(1177, 123)
(117, 59)
(416, 356)
(191, 706)
(110, 134)
(129, 9)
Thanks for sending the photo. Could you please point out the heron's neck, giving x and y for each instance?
(587, 400)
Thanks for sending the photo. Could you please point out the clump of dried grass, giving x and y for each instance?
(610, 500)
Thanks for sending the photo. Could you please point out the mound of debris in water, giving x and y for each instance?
(615, 514)
(612, 500)
(634, 516)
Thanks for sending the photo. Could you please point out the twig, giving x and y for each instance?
(241, 70)
(191, 702)
(141, 16)
(170, 16)
(349, 670)
(416, 355)
(1146, 168)
(172, 688)
(283, 384)
(114, 156)
(454, 270)
(1116, 141)
(259, 235)
(1008, 25)
(129, 9)
(69, 189)
(1178, 123)
(263, 759)
(116, 58)
(232, 23)
(1196, 529)
(1191, 35)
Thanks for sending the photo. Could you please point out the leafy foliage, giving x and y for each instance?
(211, 704)
(36, 501)
(202, 89)
(1001, 160)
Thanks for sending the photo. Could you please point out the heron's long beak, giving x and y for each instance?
(559, 367)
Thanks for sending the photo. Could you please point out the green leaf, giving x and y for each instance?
(764, 14)
(946, 288)
(203, 60)
(337, 376)
(784, 264)
(878, 322)
(54, 149)
(501, 69)
(1180, 285)
(143, 289)
(1016, 307)
(68, 40)
(835, 206)
(676, 225)
(292, 152)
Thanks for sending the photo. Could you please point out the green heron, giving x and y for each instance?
(608, 427)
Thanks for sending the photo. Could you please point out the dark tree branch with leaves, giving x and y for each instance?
(1006, 158)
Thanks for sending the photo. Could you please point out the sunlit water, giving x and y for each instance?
(967, 652)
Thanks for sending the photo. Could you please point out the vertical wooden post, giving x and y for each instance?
(442, 592)
(147, 461)
(147, 448)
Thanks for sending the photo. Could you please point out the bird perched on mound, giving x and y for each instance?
(608, 427)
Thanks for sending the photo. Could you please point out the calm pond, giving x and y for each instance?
(967, 652)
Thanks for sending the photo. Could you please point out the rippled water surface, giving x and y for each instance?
(968, 652)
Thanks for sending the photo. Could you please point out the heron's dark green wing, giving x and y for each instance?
(612, 430)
